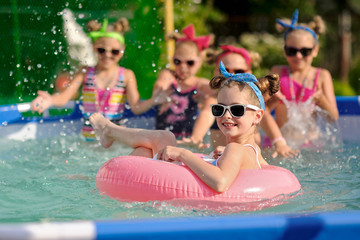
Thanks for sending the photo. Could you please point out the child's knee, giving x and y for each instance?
(167, 137)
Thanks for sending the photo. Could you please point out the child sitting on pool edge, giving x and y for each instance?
(239, 110)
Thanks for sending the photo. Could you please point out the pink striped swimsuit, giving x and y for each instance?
(109, 102)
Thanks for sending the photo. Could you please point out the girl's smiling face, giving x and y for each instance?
(236, 128)
(184, 53)
(301, 39)
(112, 54)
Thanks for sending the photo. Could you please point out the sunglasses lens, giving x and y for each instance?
(289, 51)
(115, 52)
(237, 110)
(101, 50)
(230, 70)
(177, 61)
(306, 51)
(217, 110)
(190, 63)
(239, 71)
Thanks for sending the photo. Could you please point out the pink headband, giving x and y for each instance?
(231, 49)
(202, 42)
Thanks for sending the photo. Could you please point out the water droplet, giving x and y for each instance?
(4, 123)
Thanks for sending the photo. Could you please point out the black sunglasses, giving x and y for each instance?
(190, 63)
(291, 51)
(236, 110)
(232, 70)
(114, 52)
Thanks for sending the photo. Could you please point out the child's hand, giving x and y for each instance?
(282, 149)
(42, 102)
(170, 154)
(162, 96)
(217, 152)
(190, 142)
(318, 95)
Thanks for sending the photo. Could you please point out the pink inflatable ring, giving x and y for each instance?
(133, 178)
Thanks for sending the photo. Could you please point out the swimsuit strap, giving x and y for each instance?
(257, 154)
(245, 145)
(90, 73)
(175, 86)
(316, 78)
(292, 91)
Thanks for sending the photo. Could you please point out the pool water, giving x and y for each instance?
(54, 180)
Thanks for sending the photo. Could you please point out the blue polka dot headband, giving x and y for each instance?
(294, 26)
(247, 78)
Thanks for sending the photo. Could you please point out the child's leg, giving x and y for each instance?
(143, 141)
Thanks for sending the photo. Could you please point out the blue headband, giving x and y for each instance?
(247, 78)
(294, 26)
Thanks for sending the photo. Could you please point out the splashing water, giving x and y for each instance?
(310, 126)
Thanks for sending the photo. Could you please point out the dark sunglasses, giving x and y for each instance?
(190, 63)
(236, 110)
(291, 51)
(114, 52)
(231, 70)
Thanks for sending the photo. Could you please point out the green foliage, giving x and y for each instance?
(343, 89)
(354, 75)
(268, 46)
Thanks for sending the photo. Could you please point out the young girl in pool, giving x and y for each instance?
(303, 87)
(239, 110)
(189, 94)
(239, 60)
(105, 87)
(236, 60)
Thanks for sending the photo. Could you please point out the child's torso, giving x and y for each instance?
(258, 158)
(110, 102)
(294, 91)
(180, 117)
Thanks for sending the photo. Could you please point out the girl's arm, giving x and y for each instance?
(272, 130)
(45, 100)
(325, 96)
(133, 96)
(218, 177)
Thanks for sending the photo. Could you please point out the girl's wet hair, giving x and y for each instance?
(268, 84)
(120, 26)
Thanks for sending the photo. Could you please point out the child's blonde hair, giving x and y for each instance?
(268, 84)
(315, 27)
(188, 38)
(120, 26)
(212, 56)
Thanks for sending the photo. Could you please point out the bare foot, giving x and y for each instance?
(100, 125)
